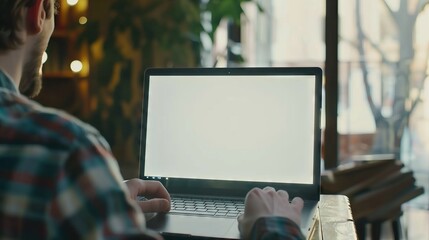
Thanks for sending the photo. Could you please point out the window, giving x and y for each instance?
(383, 54)
(280, 35)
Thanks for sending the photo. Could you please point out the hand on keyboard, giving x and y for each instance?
(268, 202)
(158, 199)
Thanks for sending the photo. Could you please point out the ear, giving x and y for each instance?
(36, 16)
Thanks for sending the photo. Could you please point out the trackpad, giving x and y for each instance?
(191, 225)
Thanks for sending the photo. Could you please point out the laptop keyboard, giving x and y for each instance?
(207, 207)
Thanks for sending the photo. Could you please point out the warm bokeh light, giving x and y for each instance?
(83, 20)
(72, 2)
(76, 66)
(44, 57)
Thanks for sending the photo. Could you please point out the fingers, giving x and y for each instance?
(149, 216)
(155, 205)
(253, 194)
(267, 202)
(298, 203)
(159, 198)
(269, 189)
(283, 194)
(149, 189)
(155, 189)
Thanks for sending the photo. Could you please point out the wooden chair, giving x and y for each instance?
(376, 189)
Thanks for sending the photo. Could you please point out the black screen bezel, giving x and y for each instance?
(235, 188)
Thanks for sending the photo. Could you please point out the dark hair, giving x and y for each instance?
(11, 21)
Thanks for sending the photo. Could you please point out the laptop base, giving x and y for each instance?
(177, 226)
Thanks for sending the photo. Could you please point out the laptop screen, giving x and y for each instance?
(247, 128)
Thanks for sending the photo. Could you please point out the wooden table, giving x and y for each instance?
(336, 220)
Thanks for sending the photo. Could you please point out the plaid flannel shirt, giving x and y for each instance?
(59, 180)
(273, 228)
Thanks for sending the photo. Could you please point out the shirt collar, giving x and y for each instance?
(7, 83)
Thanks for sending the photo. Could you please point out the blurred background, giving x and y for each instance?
(374, 54)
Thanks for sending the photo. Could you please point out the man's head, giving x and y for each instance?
(27, 25)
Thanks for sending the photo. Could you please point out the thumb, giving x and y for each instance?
(240, 223)
(240, 218)
(244, 226)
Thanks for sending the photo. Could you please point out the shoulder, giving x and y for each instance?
(60, 123)
(26, 121)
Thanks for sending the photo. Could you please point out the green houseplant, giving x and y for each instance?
(124, 38)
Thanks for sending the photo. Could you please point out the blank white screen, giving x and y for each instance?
(246, 128)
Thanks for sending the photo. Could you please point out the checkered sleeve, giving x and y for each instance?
(91, 201)
(276, 228)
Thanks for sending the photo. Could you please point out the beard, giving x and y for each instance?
(31, 80)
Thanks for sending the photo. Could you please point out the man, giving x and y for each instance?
(58, 178)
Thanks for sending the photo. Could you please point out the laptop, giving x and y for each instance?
(210, 135)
